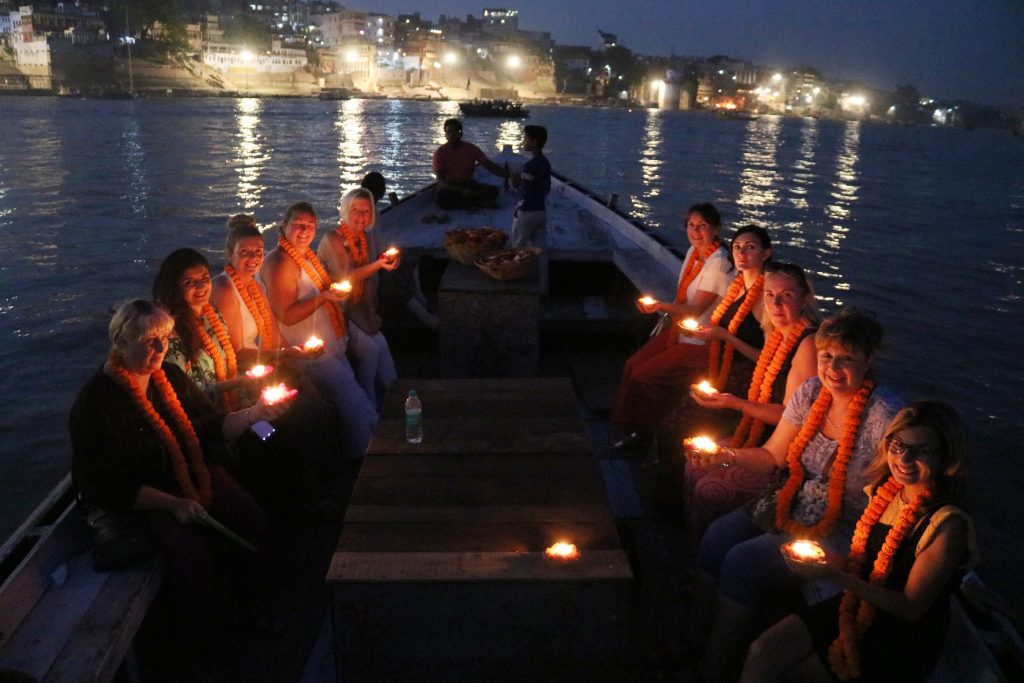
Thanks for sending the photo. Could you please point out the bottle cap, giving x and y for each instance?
(412, 392)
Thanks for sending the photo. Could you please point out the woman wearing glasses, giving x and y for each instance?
(140, 432)
(891, 619)
(828, 434)
(787, 360)
(652, 377)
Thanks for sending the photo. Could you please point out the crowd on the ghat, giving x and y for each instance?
(816, 448)
(823, 481)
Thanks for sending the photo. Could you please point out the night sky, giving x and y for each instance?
(970, 49)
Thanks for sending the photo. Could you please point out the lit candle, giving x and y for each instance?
(343, 287)
(391, 253)
(705, 388)
(690, 324)
(259, 371)
(703, 444)
(805, 551)
(313, 343)
(562, 552)
(281, 392)
(647, 301)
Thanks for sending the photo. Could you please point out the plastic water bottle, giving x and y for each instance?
(413, 418)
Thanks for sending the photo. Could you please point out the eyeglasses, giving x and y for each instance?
(898, 448)
(156, 342)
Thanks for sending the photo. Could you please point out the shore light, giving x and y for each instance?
(777, 77)
(450, 58)
(351, 56)
(513, 61)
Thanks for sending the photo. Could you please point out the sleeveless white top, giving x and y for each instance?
(318, 324)
(250, 333)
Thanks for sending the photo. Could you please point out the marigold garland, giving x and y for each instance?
(777, 348)
(692, 270)
(309, 263)
(355, 242)
(256, 303)
(201, 489)
(837, 477)
(718, 377)
(856, 615)
(225, 363)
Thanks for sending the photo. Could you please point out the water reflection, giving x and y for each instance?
(351, 157)
(843, 194)
(759, 175)
(6, 212)
(252, 155)
(445, 111)
(133, 157)
(510, 133)
(803, 167)
(651, 161)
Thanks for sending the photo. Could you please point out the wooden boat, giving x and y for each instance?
(502, 108)
(333, 94)
(596, 262)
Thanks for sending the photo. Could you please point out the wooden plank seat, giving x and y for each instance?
(60, 621)
(440, 572)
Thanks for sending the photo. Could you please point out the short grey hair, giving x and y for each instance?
(134, 318)
(345, 205)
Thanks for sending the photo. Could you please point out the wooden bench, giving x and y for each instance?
(440, 571)
(60, 621)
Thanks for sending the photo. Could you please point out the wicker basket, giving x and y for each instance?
(504, 265)
(466, 245)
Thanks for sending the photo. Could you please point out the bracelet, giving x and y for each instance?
(732, 461)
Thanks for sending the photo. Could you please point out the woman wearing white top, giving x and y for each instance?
(655, 372)
(305, 306)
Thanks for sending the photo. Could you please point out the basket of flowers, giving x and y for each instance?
(509, 264)
(466, 245)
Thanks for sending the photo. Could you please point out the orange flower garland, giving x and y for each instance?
(309, 263)
(856, 615)
(769, 364)
(256, 303)
(692, 270)
(184, 473)
(355, 242)
(837, 477)
(225, 363)
(718, 377)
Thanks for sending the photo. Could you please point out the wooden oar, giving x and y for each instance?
(205, 518)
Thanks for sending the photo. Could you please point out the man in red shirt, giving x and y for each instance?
(454, 164)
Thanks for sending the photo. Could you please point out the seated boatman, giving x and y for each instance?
(454, 163)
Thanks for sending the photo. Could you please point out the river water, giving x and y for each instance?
(924, 226)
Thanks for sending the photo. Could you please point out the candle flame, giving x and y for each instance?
(258, 371)
(705, 388)
(344, 286)
(647, 301)
(702, 443)
(272, 395)
(391, 252)
(312, 343)
(562, 551)
(690, 324)
(808, 551)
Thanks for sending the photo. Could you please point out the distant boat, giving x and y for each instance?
(334, 94)
(505, 108)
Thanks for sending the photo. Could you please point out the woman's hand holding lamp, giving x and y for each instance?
(705, 388)
(803, 554)
(702, 451)
(647, 304)
(344, 287)
(689, 325)
(274, 395)
(258, 372)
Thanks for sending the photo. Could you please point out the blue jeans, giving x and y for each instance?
(745, 560)
(332, 376)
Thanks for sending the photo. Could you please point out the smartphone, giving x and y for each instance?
(262, 429)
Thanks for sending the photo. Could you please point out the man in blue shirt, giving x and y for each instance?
(534, 183)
